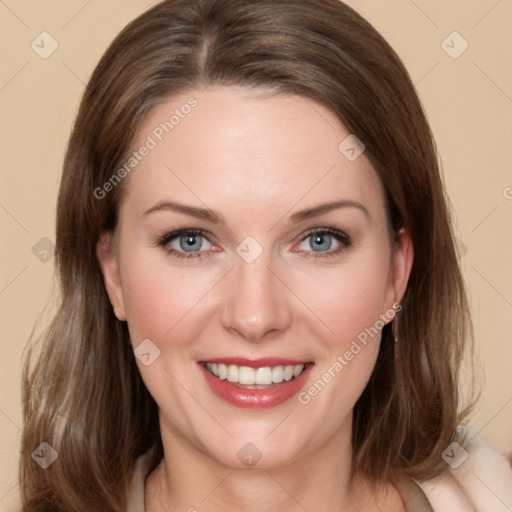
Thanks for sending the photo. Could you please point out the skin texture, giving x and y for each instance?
(256, 160)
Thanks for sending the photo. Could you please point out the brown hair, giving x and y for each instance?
(82, 391)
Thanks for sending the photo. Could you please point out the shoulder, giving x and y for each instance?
(476, 478)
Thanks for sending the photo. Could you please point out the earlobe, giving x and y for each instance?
(401, 266)
(111, 276)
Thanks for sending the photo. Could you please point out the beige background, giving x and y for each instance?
(468, 101)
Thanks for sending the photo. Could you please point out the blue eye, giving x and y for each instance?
(320, 242)
(189, 243)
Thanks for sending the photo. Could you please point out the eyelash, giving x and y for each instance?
(344, 239)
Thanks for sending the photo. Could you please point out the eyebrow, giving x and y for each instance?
(215, 218)
(315, 211)
(193, 211)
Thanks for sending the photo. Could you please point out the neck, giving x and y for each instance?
(188, 479)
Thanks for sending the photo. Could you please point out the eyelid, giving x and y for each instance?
(169, 236)
(341, 237)
(328, 230)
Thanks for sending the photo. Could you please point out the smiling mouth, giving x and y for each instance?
(255, 378)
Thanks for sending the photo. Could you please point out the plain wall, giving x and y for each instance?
(468, 101)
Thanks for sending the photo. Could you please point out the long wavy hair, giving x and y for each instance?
(82, 392)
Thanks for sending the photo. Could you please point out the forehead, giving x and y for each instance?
(239, 149)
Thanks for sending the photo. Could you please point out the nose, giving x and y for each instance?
(256, 305)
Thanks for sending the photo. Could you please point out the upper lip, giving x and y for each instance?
(255, 363)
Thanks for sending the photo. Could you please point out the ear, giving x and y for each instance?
(401, 265)
(109, 264)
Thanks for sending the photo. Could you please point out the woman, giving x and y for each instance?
(261, 303)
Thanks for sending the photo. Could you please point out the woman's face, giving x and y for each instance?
(280, 277)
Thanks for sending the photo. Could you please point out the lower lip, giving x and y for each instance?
(255, 398)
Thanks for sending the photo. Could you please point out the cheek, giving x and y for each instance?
(158, 297)
(347, 299)
(350, 304)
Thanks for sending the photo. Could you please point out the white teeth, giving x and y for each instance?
(213, 368)
(288, 373)
(246, 375)
(232, 373)
(297, 369)
(263, 376)
(277, 374)
(223, 371)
